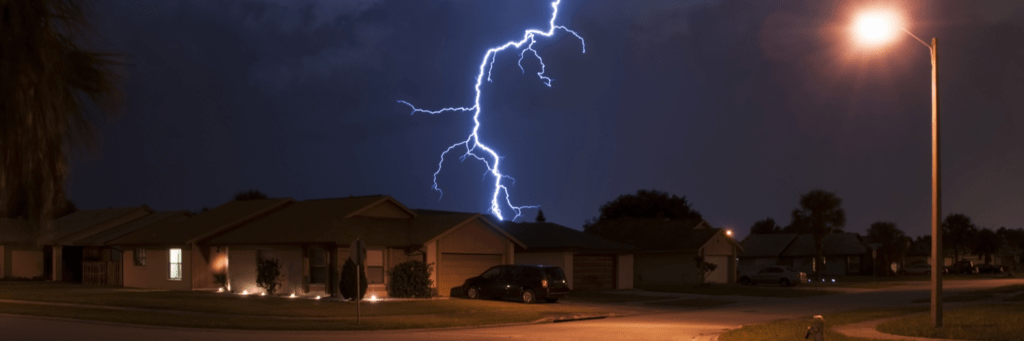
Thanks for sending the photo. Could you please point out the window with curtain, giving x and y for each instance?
(175, 264)
(374, 266)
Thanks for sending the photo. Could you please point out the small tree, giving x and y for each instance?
(348, 280)
(540, 216)
(411, 279)
(220, 279)
(268, 274)
(703, 269)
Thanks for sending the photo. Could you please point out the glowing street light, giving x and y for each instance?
(878, 27)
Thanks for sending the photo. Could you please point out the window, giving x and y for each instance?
(175, 261)
(317, 265)
(374, 266)
(139, 257)
(491, 273)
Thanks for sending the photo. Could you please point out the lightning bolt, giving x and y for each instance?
(476, 149)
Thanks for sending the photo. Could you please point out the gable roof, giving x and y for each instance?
(432, 224)
(835, 244)
(678, 235)
(126, 228)
(181, 231)
(766, 245)
(551, 236)
(84, 223)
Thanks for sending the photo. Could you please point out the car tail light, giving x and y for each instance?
(544, 283)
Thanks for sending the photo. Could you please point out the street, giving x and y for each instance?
(646, 322)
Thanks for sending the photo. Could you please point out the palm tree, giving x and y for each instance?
(960, 231)
(46, 77)
(894, 241)
(823, 212)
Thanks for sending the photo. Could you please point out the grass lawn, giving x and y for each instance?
(796, 329)
(741, 290)
(978, 294)
(201, 309)
(980, 322)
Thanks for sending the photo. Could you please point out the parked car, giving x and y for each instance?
(783, 275)
(920, 268)
(526, 282)
(963, 267)
(990, 269)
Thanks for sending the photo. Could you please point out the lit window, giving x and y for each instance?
(375, 266)
(175, 260)
(139, 257)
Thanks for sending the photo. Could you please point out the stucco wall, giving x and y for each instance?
(207, 261)
(27, 263)
(242, 269)
(719, 245)
(157, 269)
(625, 275)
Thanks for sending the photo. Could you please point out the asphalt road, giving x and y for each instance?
(649, 322)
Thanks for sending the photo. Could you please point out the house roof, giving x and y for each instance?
(551, 236)
(181, 230)
(766, 245)
(126, 228)
(321, 220)
(15, 232)
(835, 244)
(679, 235)
(67, 228)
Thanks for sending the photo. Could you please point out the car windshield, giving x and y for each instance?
(554, 274)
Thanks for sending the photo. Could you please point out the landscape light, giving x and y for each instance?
(292, 296)
(317, 297)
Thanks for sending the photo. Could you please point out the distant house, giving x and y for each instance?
(97, 262)
(761, 250)
(166, 253)
(590, 262)
(670, 260)
(845, 254)
(312, 240)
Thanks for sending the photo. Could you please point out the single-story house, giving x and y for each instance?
(671, 260)
(311, 240)
(844, 253)
(104, 264)
(97, 262)
(590, 262)
(165, 253)
(761, 250)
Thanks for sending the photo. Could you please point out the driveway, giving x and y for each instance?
(645, 322)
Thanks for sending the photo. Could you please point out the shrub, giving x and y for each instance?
(411, 279)
(220, 279)
(268, 274)
(348, 280)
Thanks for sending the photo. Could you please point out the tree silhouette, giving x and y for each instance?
(540, 216)
(250, 195)
(823, 213)
(45, 78)
(643, 204)
(960, 232)
(986, 244)
(766, 225)
(894, 241)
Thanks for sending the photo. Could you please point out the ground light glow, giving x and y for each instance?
(472, 143)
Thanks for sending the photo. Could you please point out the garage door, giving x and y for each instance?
(593, 272)
(456, 268)
(721, 273)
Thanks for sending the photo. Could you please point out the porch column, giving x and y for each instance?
(333, 275)
(57, 263)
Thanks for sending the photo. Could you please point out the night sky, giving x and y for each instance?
(740, 106)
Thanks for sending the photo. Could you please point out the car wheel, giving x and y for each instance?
(745, 281)
(551, 300)
(528, 296)
(472, 293)
(784, 282)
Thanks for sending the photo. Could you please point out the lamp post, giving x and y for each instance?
(880, 28)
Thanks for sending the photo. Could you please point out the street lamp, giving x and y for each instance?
(880, 27)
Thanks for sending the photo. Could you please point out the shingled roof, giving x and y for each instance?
(180, 231)
(551, 236)
(84, 223)
(766, 245)
(120, 230)
(835, 244)
(675, 235)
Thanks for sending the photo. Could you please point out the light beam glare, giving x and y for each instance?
(472, 142)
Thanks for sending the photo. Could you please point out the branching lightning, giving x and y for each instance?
(472, 143)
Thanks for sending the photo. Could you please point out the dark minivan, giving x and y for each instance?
(526, 282)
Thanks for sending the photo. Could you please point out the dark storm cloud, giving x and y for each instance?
(738, 105)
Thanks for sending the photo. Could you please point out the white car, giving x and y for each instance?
(781, 275)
